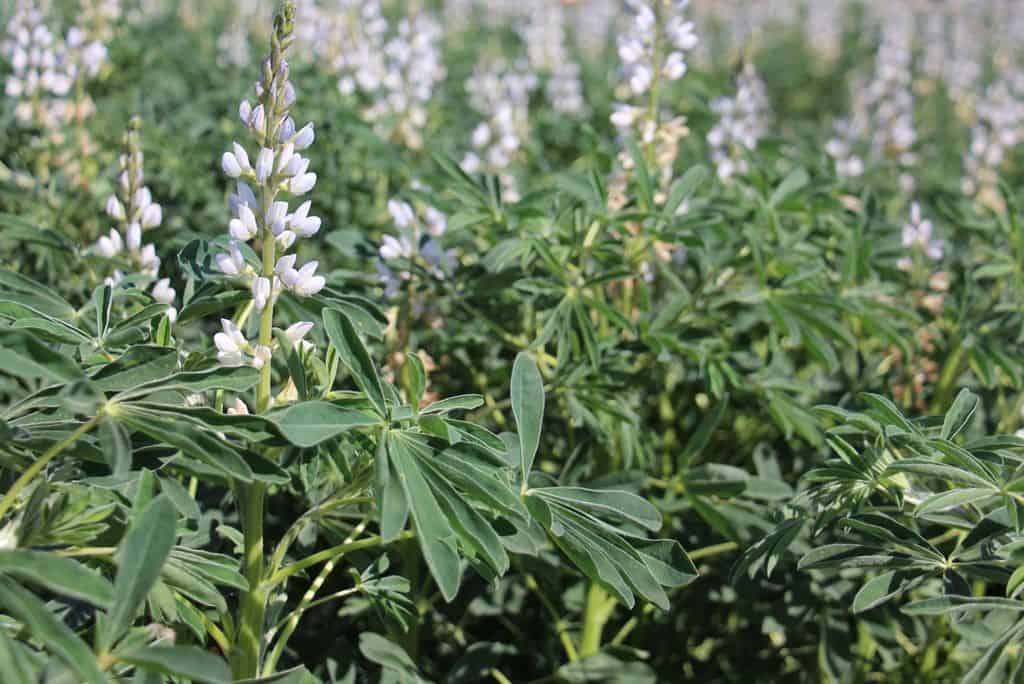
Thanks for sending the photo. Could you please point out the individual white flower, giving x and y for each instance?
(284, 156)
(133, 237)
(243, 195)
(917, 233)
(163, 292)
(149, 262)
(276, 217)
(110, 245)
(285, 239)
(296, 331)
(401, 213)
(261, 291)
(261, 355)
(300, 185)
(302, 281)
(152, 215)
(230, 165)
(302, 223)
(305, 137)
(231, 262)
(393, 248)
(231, 344)
(244, 227)
(239, 408)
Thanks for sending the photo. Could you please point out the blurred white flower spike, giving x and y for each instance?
(134, 212)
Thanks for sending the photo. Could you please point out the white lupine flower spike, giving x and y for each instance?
(134, 212)
(261, 212)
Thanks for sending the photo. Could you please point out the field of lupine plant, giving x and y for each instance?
(511, 341)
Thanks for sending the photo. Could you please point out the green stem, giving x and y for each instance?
(292, 621)
(293, 532)
(40, 463)
(560, 626)
(595, 615)
(713, 550)
(245, 660)
(327, 554)
(955, 364)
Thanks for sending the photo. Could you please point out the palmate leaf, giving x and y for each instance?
(18, 288)
(392, 505)
(23, 355)
(944, 605)
(959, 415)
(138, 365)
(193, 441)
(766, 553)
(624, 562)
(852, 556)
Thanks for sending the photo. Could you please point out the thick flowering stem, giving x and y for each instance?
(246, 656)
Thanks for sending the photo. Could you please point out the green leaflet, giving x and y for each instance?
(309, 423)
(141, 556)
(346, 341)
(62, 576)
(435, 535)
(528, 408)
(189, 662)
(53, 633)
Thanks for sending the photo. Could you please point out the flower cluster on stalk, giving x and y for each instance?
(998, 127)
(918, 236)
(652, 50)
(397, 70)
(887, 100)
(742, 122)
(417, 242)
(260, 215)
(841, 147)
(543, 34)
(41, 77)
(134, 212)
(499, 91)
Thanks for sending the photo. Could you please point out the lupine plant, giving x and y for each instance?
(373, 465)
(420, 349)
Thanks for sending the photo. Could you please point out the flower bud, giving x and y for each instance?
(264, 165)
(152, 216)
(134, 236)
(304, 138)
(229, 164)
(115, 209)
(260, 292)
